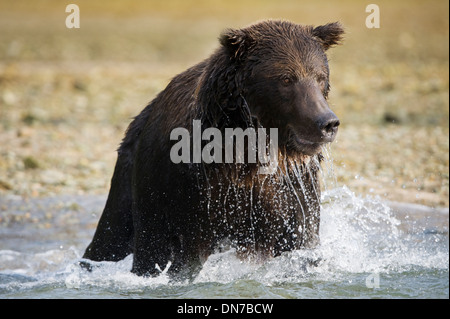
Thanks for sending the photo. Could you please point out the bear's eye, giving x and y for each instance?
(287, 80)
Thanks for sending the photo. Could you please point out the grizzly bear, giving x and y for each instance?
(174, 214)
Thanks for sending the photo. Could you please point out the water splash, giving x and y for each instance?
(327, 171)
(359, 236)
(113, 276)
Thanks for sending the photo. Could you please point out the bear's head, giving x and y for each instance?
(282, 75)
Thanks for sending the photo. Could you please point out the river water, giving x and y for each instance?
(369, 249)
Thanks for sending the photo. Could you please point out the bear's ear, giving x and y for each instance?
(236, 42)
(329, 34)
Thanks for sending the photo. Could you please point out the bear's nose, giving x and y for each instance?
(329, 128)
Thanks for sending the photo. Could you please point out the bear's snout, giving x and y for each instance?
(328, 126)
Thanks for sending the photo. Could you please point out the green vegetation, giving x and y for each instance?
(67, 95)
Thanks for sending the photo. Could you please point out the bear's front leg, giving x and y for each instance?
(151, 241)
(169, 237)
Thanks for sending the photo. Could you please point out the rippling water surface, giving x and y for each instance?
(368, 250)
